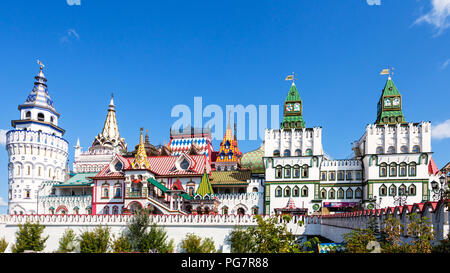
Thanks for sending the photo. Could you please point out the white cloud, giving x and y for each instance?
(73, 2)
(3, 136)
(445, 64)
(2, 202)
(438, 16)
(441, 130)
(71, 34)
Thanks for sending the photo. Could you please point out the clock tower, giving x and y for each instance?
(390, 105)
(292, 117)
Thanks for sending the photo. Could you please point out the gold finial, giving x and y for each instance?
(41, 64)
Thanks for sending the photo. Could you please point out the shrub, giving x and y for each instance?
(194, 244)
(29, 237)
(3, 245)
(96, 241)
(67, 243)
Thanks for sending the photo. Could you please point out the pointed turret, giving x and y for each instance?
(229, 155)
(39, 95)
(389, 108)
(110, 134)
(205, 187)
(140, 159)
(292, 117)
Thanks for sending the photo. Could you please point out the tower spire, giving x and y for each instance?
(140, 159)
(389, 108)
(293, 116)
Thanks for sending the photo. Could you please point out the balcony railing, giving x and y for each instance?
(135, 194)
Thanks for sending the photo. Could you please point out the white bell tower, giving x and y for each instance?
(37, 152)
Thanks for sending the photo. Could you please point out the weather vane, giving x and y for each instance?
(291, 77)
(41, 64)
(388, 71)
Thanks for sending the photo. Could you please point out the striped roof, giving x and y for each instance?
(107, 172)
(39, 95)
(205, 186)
(180, 145)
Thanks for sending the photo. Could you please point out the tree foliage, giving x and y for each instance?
(67, 243)
(358, 240)
(96, 241)
(144, 237)
(195, 244)
(391, 235)
(121, 245)
(29, 237)
(420, 229)
(268, 236)
(3, 245)
(443, 246)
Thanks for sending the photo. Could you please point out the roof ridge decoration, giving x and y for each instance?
(140, 159)
(293, 114)
(389, 107)
(205, 187)
(110, 134)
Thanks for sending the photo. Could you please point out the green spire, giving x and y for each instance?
(390, 105)
(292, 117)
(205, 186)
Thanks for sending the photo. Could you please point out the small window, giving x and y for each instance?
(308, 152)
(358, 193)
(298, 152)
(332, 176)
(184, 164)
(340, 194)
(323, 176)
(28, 115)
(349, 193)
(383, 190)
(348, 175)
(287, 172)
(393, 190)
(323, 194)
(287, 192)
(305, 171)
(41, 117)
(278, 172)
(412, 190)
(278, 191)
(416, 149)
(412, 169)
(340, 175)
(106, 210)
(402, 169)
(358, 175)
(383, 169)
(296, 192)
(402, 190)
(296, 171)
(52, 119)
(331, 194)
(391, 150)
(287, 152)
(276, 153)
(380, 150)
(393, 169)
(404, 149)
(304, 191)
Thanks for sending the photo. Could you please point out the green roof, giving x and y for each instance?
(205, 186)
(293, 118)
(293, 94)
(254, 160)
(165, 189)
(77, 180)
(237, 177)
(390, 114)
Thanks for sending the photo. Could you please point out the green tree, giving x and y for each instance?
(67, 243)
(268, 236)
(357, 240)
(194, 244)
(443, 246)
(420, 229)
(29, 237)
(96, 241)
(391, 236)
(121, 245)
(146, 238)
(3, 245)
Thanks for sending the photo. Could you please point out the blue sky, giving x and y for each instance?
(156, 54)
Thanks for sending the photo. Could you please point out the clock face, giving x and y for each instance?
(396, 102)
(297, 107)
(387, 102)
(289, 107)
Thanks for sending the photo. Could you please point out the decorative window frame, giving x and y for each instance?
(331, 194)
(332, 175)
(287, 171)
(340, 175)
(278, 192)
(287, 191)
(296, 171)
(323, 193)
(305, 168)
(303, 190)
(322, 174)
(340, 194)
(349, 190)
(393, 166)
(383, 186)
(385, 167)
(296, 191)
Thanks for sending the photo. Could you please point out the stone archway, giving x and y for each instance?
(134, 207)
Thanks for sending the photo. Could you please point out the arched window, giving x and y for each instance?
(278, 192)
(278, 172)
(412, 169)
(115, 210)
(349, 193)
(383, 169)
(380, 150)
(287, 171)
(402, 190)
(392, 190)
(287, 152)
(391, 150)
(404, 149)
(276, 153)
(41, 117)
(305, 171)
(412, 190)
(323, 194)
(106, 210)
(305, 191)
(331, 194)
(416, 149)
(117, 191)
(402, 169)
(393, 169)
(298, 152)
(358, 193)
(105, 191)
(52, 119)
(296, 192)
(308, 152)
(287, 192)
(296, 173)
(383, 190)
(255, 189)
(340, 194)
(28, 115)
